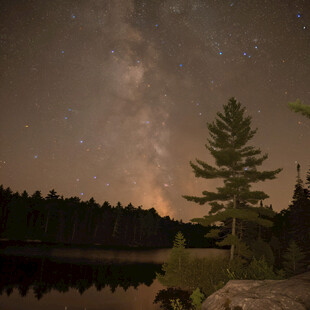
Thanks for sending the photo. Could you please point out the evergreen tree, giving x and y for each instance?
(37, 196)
(52, 195)
(293, 260)
(197, 298)
(52, 198)
(299, 215)
(237, 166)
(176, 264)
(299, 107)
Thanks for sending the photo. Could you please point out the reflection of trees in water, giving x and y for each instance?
(163, 297)
(43, 275)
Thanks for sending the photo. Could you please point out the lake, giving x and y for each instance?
(36, 277)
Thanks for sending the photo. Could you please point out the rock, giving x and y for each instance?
(293, 293)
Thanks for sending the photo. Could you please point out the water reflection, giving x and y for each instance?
(79, 279)
(43, 275)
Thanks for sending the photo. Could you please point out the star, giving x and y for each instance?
(122, 87)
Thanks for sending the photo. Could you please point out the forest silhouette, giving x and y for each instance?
(55, 219)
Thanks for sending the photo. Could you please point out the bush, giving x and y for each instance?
(258, 269)
(164, 298)
(176, 304)
(197, 298)
(207, 274)
(212, 274)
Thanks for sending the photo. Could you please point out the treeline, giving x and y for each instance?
(71, 221)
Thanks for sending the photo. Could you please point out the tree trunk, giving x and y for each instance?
(233, 231)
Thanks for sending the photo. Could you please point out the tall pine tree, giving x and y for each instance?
(237, 165)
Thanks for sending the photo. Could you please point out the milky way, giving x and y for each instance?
(110, 99)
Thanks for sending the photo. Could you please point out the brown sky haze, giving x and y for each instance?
(110, 99)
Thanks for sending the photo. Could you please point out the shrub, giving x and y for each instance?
(197, 298)
(258, 269)
(164, 297)
(176, 304)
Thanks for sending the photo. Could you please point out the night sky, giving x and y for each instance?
(110, 99)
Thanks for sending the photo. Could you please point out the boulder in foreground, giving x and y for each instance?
(293, 293)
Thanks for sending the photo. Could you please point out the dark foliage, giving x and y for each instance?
(293, 223)
(71, 221)
(164, 297)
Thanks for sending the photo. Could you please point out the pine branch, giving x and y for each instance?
(200, 200)
(299, 107)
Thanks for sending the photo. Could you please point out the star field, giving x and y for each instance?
(110, 99)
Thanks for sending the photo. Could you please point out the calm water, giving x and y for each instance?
(45, 278)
